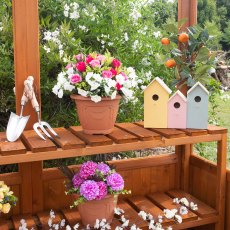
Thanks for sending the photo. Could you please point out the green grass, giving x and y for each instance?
(223, 119)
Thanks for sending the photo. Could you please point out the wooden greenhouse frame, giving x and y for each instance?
(154, 180)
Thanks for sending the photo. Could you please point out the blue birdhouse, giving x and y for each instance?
(197, 107)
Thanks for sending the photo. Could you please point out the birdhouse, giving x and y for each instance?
(156, 97)
(197, 107)
(177, 109)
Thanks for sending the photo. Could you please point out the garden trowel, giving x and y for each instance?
(16, 124)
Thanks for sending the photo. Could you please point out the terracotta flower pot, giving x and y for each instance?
(90, 211)
(97, 118)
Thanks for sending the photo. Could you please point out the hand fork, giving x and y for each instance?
(41, 124)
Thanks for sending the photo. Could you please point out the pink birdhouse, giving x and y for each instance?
(177, 107)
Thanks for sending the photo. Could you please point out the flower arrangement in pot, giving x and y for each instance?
(95, 188)
(7, 199)
(98, 81)
(188, 53)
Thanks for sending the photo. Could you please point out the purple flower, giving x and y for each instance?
(102, 190)
(103, 168)
(77, 180)
(88, 169)
(115, 181)
(89, 189)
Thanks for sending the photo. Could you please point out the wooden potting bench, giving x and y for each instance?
(154, 180)
(171, 182)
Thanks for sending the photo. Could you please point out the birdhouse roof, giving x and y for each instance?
(162, 84)
(198, 84)
(181, 95)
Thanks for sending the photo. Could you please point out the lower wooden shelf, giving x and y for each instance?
(153, 204)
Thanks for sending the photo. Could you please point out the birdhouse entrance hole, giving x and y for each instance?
(177, 105)
(197, 99)
(155, 97)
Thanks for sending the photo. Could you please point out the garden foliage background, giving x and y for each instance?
(130, 29)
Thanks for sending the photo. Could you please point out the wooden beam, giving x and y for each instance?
(26, 51)
(187, 9)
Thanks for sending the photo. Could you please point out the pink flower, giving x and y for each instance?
(75, 79)
(89, 58)
(118, 86)
(80, 57)
(113, 71)
(116, 63)
(68, 66)
(95, 63)
(101, 58)
(107, 74)
(81, 66)
(124, 75)
(102, 190)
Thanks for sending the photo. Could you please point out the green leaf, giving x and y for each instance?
(171, 28)
(203, 54)
(176, 52)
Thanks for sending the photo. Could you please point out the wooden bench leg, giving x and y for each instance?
(221, 181)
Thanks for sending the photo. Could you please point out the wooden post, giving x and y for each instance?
(27, 62)
(221, 181)
(187, 9)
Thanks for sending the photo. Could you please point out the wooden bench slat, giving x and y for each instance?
(72, 216)
(168, 133)
(66, 139)
(195, 132)
(120, 136)
(92, 140)
(143, 204)
(36, 144)
(10, 148)
(3, 225)
(131, 215)
(165, 202)
(27, 217)
(140, 132)
(45, 216)
(212, 129)
(203, 209)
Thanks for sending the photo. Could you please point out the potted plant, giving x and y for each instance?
(188, 53)
(95, 188)
(7, 199)
(98, 82)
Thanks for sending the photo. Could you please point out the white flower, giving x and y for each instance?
(193, 206)
(151, 224)
(120, 79)
(47, 36)
(184, 201)
(169, 228)
(96, 98)
(183, 210)
(97, 224)
(111, 83)
(70, 71)
(125, 224)
(157, 34)
(169, 214)
(113, 95)
(118, 228)
(55, 89)
(128, 93)
(126, 37)
(94, 85)
(178, 219)
(50, 222)
(143, 214)
(118, 211)
(60, 93)
(134, 227)
(88, 76)
(82, 92)
(176, 201)
(62, 224)
(76, 226)
(47, 49)
(97, 77)
(74, 15)
(68, 227)
(149, 216)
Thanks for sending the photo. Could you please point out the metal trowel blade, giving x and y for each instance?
(15, 126)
